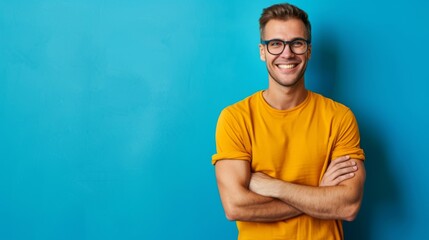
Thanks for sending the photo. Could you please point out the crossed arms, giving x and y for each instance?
(259, 198)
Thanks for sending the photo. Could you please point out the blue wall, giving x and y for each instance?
(108, 111)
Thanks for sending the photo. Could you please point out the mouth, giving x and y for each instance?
(287, 66)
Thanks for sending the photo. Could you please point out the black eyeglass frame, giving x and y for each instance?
(266, 42)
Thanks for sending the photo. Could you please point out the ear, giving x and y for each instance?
(309, 52)
(262, 52)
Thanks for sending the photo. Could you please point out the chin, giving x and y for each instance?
(288, 83)
(292, 80)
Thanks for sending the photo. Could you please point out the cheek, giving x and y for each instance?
(305, 58)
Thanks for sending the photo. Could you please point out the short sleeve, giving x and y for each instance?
(230, 143)
(348, 138)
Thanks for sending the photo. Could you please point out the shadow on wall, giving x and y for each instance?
(324, 66)
(380, 194)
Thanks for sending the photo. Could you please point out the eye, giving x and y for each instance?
(298, 43)
(275, 44)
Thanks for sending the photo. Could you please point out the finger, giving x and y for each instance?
(333, 174)
(335, 166)
(344, 171)
(343, 178)
(349, 163)
(338, 160)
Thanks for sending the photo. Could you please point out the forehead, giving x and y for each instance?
(285, 29)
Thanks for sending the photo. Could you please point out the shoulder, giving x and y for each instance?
(337, 114)
(329, 106)
(243, 107)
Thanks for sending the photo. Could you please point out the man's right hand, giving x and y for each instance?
(339, 170)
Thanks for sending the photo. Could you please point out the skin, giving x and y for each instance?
(257, 197)
(340, 201)
(242, 192)
(286, 87)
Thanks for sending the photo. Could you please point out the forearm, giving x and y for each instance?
(320, 202)
(251, 207)
(328, 201)
(239, 203)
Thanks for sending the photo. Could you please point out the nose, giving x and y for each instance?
(287, 53)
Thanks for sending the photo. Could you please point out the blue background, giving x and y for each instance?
(108, 111)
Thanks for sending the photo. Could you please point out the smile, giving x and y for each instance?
(286, 66)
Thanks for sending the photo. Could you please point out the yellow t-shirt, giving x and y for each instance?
(294, 145)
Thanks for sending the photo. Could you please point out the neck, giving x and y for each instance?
(284, 98)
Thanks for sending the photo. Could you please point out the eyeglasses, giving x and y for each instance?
(276, 46)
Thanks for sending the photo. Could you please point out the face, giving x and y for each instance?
(286, 69)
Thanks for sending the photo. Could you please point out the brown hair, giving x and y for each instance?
(284, 11)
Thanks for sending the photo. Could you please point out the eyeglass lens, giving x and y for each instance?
(297, 46)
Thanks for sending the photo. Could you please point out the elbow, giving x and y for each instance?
(351, 212)
(232, 214)
(350, 217)
(351, 209)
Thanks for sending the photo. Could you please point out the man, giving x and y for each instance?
(274, 148)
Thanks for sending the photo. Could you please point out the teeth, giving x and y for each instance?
(286, 66)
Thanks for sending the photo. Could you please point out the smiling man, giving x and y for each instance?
(288, 163)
